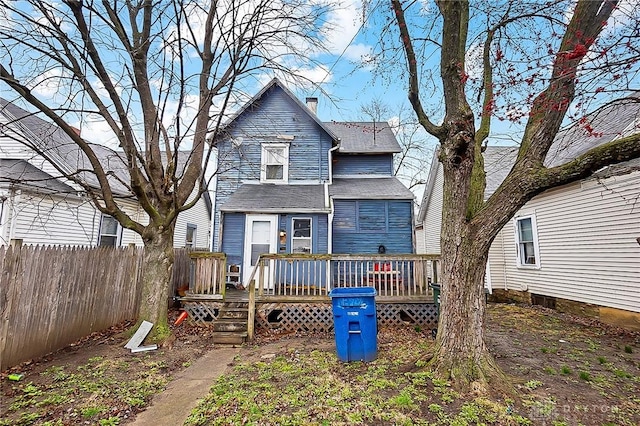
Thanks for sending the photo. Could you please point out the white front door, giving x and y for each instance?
(260, 236)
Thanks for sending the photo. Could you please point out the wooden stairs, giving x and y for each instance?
(230, 328)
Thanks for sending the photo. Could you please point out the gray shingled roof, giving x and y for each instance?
(498, 161)
(276, 198)
(616, 119)
(364, 137)
(68, 156)
(389, 188)
(19, 173)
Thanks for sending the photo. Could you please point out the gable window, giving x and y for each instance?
(301, 239)
(527, 242)
(190, 239)
(274, 163)
(110, 231)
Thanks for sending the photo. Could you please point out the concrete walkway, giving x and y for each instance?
(173, 406)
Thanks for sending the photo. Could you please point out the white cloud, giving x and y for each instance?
(50, 83)
(96, 130)
(343, 25)
(473, 61)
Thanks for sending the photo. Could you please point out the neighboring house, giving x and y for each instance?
(576, 243)
(290, 183)
(39, 206)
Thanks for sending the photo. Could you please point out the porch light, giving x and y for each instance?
(283, 237)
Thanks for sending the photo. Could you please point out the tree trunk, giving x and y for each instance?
(461, 354)
(158, 267)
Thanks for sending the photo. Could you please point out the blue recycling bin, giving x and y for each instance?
(355, 326)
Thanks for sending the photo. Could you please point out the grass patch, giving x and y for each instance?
(101, 382)
(315, 388)
(585, 375)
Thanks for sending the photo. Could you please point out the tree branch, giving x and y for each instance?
(412, 65)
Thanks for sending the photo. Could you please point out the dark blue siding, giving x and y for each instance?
(361, 226)
(233, 237)
(275, 114)
(380, 164)
(372, 216)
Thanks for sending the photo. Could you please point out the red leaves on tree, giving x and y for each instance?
(578, 52)
(589, 128)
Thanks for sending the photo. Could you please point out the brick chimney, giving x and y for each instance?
(312, 104)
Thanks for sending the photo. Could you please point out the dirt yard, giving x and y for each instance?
(568, 371)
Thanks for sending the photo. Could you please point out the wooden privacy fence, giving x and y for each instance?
(53, 296)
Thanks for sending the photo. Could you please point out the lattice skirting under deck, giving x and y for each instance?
(318, 317)
(203, 312)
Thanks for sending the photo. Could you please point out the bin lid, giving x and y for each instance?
(353, 292)
(435, 286)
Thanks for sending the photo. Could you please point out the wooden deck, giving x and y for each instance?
(292, 292)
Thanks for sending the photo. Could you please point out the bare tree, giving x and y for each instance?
(415, 146)
(416, 149)
(536, 62)
(162, 75)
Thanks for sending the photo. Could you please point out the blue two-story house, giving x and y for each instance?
(290, 183)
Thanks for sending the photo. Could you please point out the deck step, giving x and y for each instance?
(229, 338)
(225, 324)
(234, 314)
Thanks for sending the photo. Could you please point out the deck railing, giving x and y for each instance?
(304, 275)
(207, 274)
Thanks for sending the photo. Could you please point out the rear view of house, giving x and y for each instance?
(290, 183)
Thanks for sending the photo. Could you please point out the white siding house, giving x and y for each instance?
(586, 244)
(39, 206)
(575, 243)
(430, 213)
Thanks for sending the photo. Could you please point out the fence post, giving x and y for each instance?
(10, 271)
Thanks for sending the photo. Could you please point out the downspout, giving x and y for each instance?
(212, 220)
(330, 156)
(3, 198)
(327, 199)
(504, 261)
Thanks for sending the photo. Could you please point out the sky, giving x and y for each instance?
(344, 83)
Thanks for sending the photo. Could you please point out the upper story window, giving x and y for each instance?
(110, 232)
(301, 239)
(274, 165)
(527, 242)
(190, 239)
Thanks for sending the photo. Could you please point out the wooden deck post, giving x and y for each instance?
(251, 314)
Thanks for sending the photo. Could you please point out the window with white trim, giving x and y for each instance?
(527, 241)
(301, 237)
(190, 239)
(274, 165)
(110, 232)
